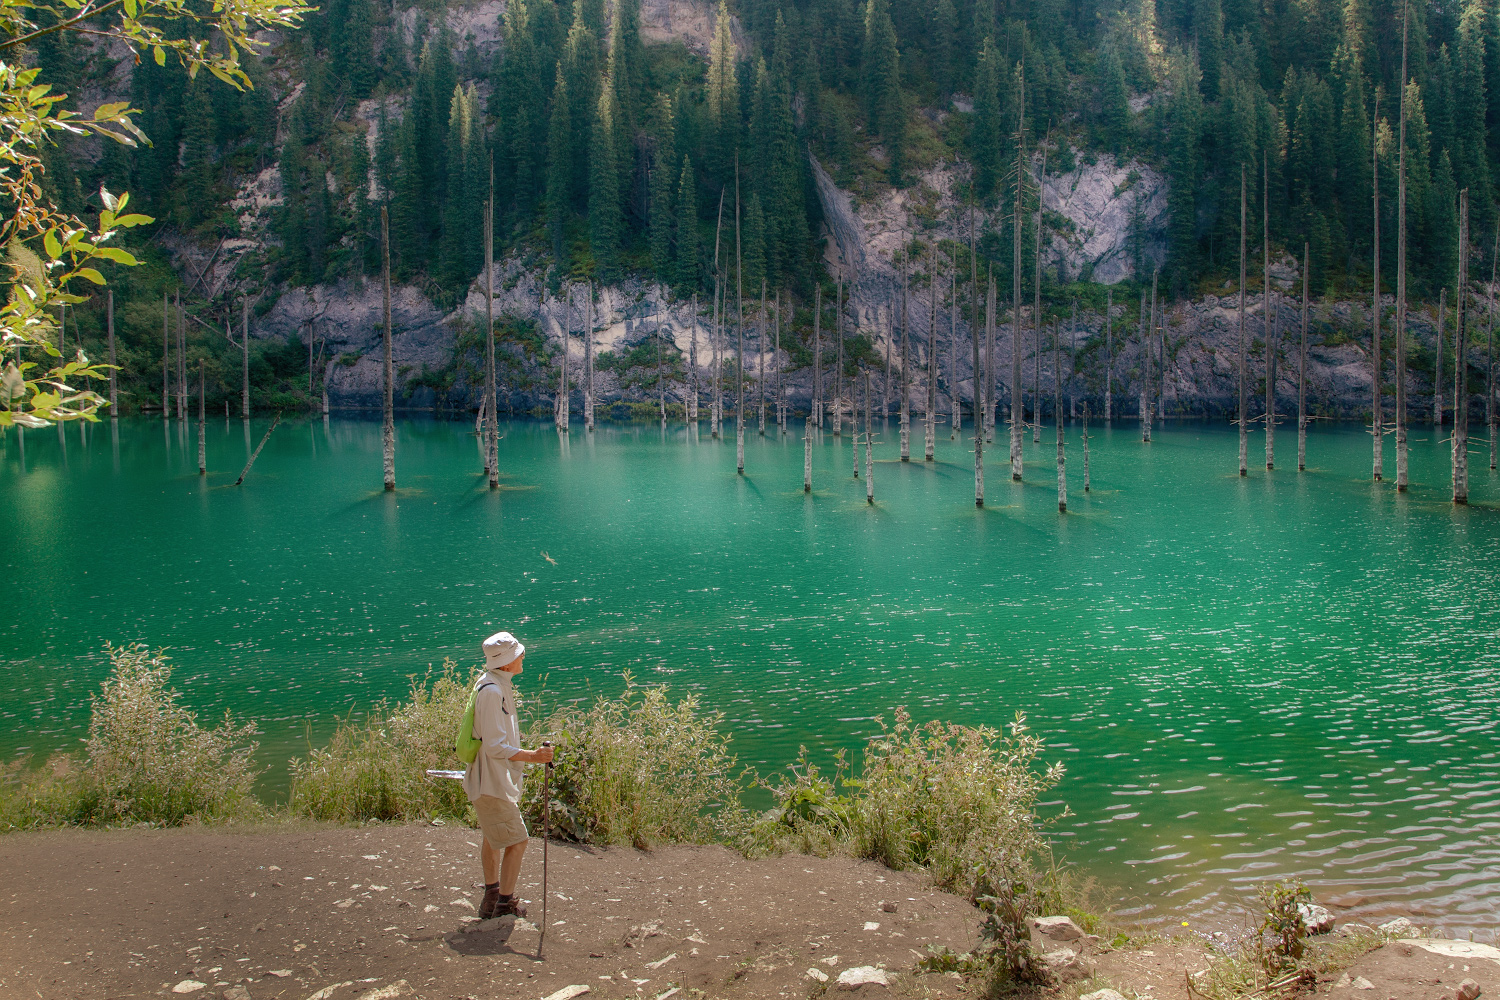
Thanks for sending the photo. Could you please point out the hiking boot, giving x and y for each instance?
(488, 904)
(509, 906)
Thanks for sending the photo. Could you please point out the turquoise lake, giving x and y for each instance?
(1285, 674)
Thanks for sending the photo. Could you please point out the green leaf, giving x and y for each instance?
(160, 54)
(117, 255)
(126, 221)
(90, 274)
(130, 8)
(49, 242)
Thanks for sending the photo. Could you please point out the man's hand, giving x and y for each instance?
(539, 756)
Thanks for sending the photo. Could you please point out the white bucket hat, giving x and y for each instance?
(501, 649)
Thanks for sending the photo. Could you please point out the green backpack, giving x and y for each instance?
(466, 744)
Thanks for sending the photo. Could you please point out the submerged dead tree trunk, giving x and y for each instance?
(114, 399)
(739, 308)
(1302, 370)
(1268, 316)
(690, 413)
(869, 453)
(1144, 403)
(588, 358)
(1085, 446)
(930, 445)
(1437, 378)
(760, 358)
(815, 411)
(1243, 399)
(905, 414)
(1036, 304)
(245, 358)
(1109, 354)
(955, 415)
(1057, 413)
(166, 358)
(202, 443)
(1376, 407)
(991, 376)
(978, 371)
(182, 386)
(1401, 463)
(388, 418)
(1489, 385)
(780, 383)
(838, 365)
(491, 389)
(1461, 359)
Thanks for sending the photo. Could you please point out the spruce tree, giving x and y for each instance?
(1112, 111)
(1208, 32)
(754, 242)
(581, 64)
(984, 134)
(1184, 128)
(722, 99)
(605, 223)
(880, 86)
(687, 228)
(661, 209)
(1470, 150)
(458, 204)
(518, 102)
(410, 204)
(559, 167)
(942, 60)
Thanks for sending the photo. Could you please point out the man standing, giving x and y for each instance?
(493, 781)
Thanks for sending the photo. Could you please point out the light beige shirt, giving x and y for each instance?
(495, 722)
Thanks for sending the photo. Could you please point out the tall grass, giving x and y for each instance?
(376, 768)
(146, 759)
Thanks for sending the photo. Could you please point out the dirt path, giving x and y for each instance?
(344, 913)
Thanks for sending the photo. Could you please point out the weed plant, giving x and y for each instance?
(640, 769)
(146, 760)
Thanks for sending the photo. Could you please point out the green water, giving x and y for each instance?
(1284, 674)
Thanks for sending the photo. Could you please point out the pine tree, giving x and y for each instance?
(984, 135)
(687, 228)
(409, 204)
(518, 101)
(1208, 31)
(1470, 150)
(559, 167)
(605, 222)
(196, 188)
(754, 243)
(1353, 151)
(352, 55)
(943, 57)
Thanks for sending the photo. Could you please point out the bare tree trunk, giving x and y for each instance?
(1036, 305)
(1150, 345)
(885, 384)
(661, 384)
(114, 399)
(1017, 395)
(182, 389)
(905, 415)
(561, 414)
(256, 453)
(492, 389)
(1376, 407)
(1461, 360)
(716, 396)
(1401, 463)
(739, 296)
(245, 358)
(1243, 398)
(202, 442)
(1085, 446)
(760, 358)
(978, 406)
(869, 453)
(955, 414)
(1062, 469)
(991, 376)
(388, 422)
(1489, 385)
(780, 369)
(1268, 316)
(691, 413)
(815, 410)
(930, 442)
(838, 367)
(1142, 404)
(166, 359)
(807, 457)
(1109, 354)
(1302, 371)
(1437, 378)
(1073, 361)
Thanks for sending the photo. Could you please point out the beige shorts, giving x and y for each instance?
(500, 821)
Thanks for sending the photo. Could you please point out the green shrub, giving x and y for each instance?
(146, 759)
(640, 770)
(1282, 933)
(377, 768)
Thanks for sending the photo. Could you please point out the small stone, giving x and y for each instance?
(236, 993)
(1343, 982)
(862, 975)
(188, 986)
(1102, 995)
(816, 975)
(1468, 990)
(871, 925)
(568, 992)
(280, 973)
(1318, 919)
(1064, 964)
(1361, 983)
(387, 992)
(1057, 928)
(889, 906)
(1399, 927)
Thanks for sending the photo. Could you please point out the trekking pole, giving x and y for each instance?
(546, 836)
